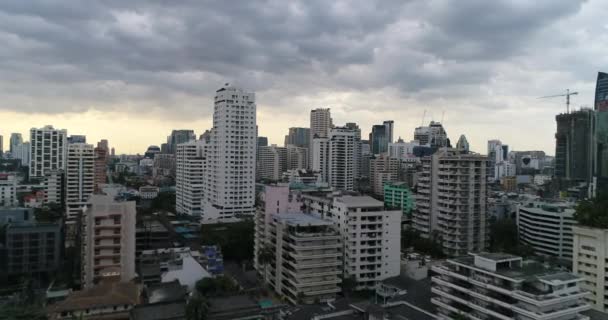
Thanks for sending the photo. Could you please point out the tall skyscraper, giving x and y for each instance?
(320, 157)
(189, 177)
(601, 134)
(177, 137)
(320, 124)
(433, 135)
(101, 160)
(16, 139)
(383, 169)
(48, 150)
(299, 137)
(451, 201)
(573, 145)
(108, 247)
(463, 144)
(297, 157)
(344, 153)
(389, 126)
(22, 152)
(79, 179)
(231, 160)
(1, 146)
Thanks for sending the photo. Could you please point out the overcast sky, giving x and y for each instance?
(130, 71)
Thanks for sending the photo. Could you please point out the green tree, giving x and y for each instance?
(235, 239)
(593, 212)
(265, 258)
(197, 308)
(504, 237)
(348, 285)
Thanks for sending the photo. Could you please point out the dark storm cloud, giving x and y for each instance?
(73, 55)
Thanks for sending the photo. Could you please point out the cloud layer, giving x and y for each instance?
(482, 63)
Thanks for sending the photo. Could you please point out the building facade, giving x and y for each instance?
(320, 125)
(383, 169)
(16, 139)
(397, 195)
(32, 247)
(370, 234)
(297, 157)
(589, 261)
(433, 135)
(54, 187)
(503, 286)
(272, 162)
(8, 190)
(451, 201)
(547, 227)
(299, 137)
(108, 248)
(307, 258)
(344, 156)
(574, 145)
(48, 150)
(189, 177)
(231, 160)
(79, 180)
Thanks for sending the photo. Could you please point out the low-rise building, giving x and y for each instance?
(547, 227)
(148, 192)
(503, 286)
(107, 300)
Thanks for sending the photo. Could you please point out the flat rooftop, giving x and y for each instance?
(301, 219)
(360, 201)
(529, 271)
(498, 257)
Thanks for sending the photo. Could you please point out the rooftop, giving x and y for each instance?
(498, 257)
(159, 311)
(359, 201)
(106, 294)
(300, 219)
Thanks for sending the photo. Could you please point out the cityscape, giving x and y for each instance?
(340, 220)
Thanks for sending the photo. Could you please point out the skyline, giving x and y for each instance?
(146, 69)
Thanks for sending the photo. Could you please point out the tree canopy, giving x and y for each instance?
(593, 212)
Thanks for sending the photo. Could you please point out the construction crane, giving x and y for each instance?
(567, 95)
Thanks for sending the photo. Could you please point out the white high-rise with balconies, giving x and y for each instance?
(371, 235)
(48, 150)
(344, 156)
(189, 177)
(451, 200)
(108, 247)
(503, 286)
(231, 160)
(8, 191)
(320, 125)
(79, 179)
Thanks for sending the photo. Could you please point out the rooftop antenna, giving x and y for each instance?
(423, 115)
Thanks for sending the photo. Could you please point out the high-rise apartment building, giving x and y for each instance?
(16, 139)
(370, 234)
(546, 226)
(79, 180)
(433, 135)
(503, 286)
(22, 152)
(320, 125)
(344, 156)
(381, 136)
(307, 262)
(297, 157)
(383, 169)
(272, 162)
(54, 187)
(101, 161)
(401, 149)
(231, 159)
(299, 137)
(189, 177)
(108, 248)
(451, 201)
(48, 150)
(320, 157)
(8, 190)
(574, 145)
